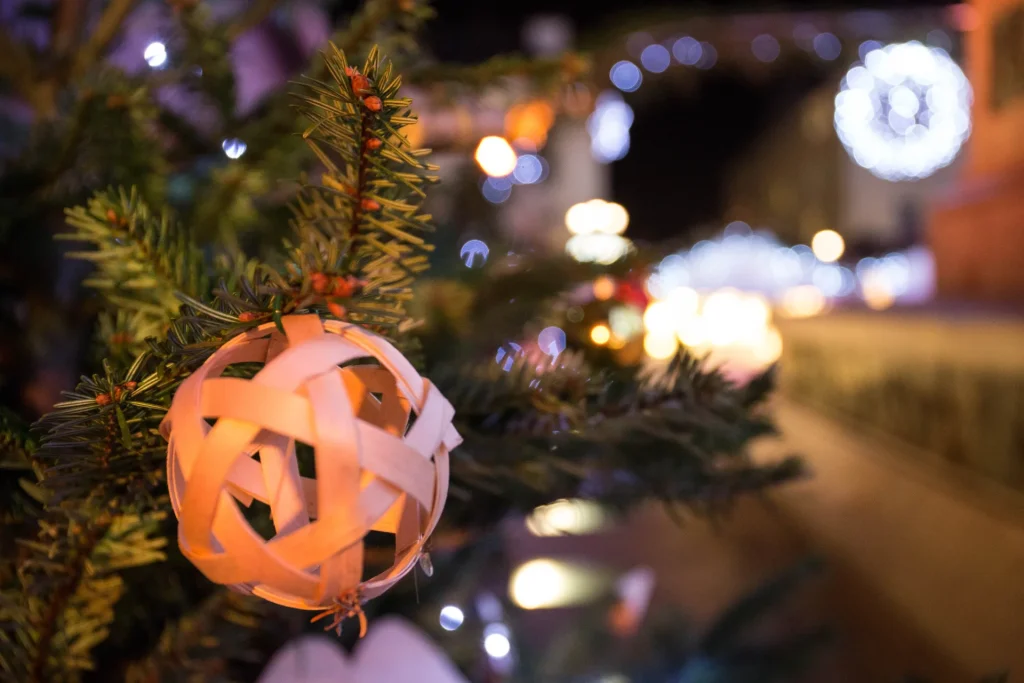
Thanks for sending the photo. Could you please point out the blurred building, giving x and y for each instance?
(976, 231)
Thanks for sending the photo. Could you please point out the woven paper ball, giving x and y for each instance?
(349, 395)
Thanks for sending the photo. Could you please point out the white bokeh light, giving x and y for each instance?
(451, 617)
(905, 112)
(609, 127)
(155, 54)
(233, 147)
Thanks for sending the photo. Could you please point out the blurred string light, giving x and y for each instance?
(495, 156)
(609, 126)
(626, 76)
(866, 47)
(687, 51)
(604, 288)
(655, 58)
(530, 122)
(574, 517)
(765, 48)
(474, 253)
(597, 228)
(155, 54)
(827, 46)
(497, 643)
(803, 301)
(803, 35)
(233, 148)
(507, 355)
(530, 169)
(451, 617)
(496, 190)
(905, 112)
(708, 56)
(600, 334)
(551, 341)
(828, 245)
(545, 583)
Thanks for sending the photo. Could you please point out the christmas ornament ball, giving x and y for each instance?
(349, 395)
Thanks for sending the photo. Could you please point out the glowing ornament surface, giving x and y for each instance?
(373, 472)
(904, 112)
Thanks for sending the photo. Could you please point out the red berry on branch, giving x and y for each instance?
(336, 309)
(247, 316)
(374, 143)
(369, 205)
(103, 399)
(320, 282)
(373, 103)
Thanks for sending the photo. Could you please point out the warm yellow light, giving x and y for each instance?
(495, 156)
(693, 332)
(596, 216)
(626, 322)
(802, 302)
(581, 218)
(684, 302)
(531, 121)
(659, 319)
(566, 517)
(600, 334)
(660, 346)
(604, 288)
(538, 583)
(769, 349)
(878, 294)
(828, 245)
(614, 218)
(723, 314)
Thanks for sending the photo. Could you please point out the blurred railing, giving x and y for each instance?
(953, 386)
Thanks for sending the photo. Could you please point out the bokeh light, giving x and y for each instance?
(545, 583)
(233, 148)
(496, 190)
(604, 288)
(497, 645)
(655, 58)
(904, 112)
(828, 245)
(155, 54)
(765, 48)
(827, 46)
(574, 517)
(687, 50)
(529, 169)
(495, 156)
(626, 76)
(600, 334)
(660, 346)
(474, 253)
(803, 301)
(551, 341)
(609, 126)
(708, 56)
(451, 617)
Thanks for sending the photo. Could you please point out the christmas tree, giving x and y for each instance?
(313, 207)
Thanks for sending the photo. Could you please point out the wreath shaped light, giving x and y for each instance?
(904, 112)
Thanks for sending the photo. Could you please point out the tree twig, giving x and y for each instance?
(108, 26)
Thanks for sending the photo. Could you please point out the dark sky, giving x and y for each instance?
(683, 140)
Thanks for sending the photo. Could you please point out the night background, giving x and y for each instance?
(511, 342)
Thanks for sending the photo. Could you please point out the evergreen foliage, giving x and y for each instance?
(174, 279)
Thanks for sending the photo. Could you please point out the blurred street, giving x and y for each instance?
(924, 564)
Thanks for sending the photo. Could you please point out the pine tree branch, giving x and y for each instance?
(106, 29)
(142, 261)
(252, 16)
(198, 646)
